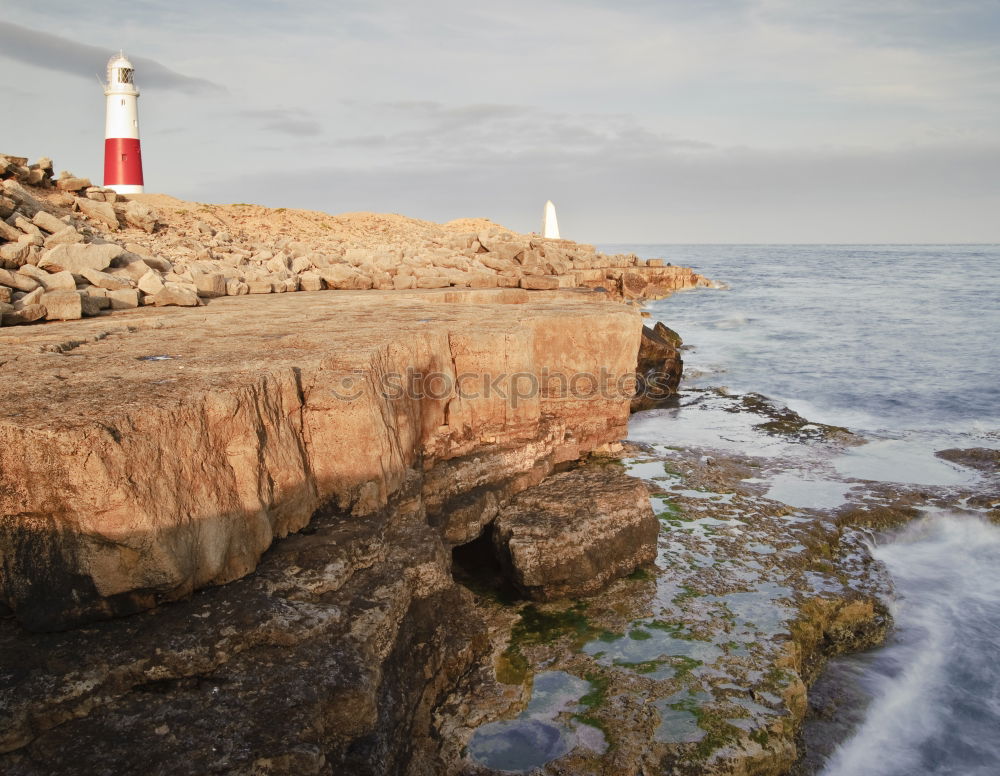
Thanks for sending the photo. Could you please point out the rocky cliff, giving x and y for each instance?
(150, 459)
(143, 461)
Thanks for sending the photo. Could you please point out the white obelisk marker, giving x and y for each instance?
(550, 226)
(122, 159)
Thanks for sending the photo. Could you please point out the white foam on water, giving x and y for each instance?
(935, 688)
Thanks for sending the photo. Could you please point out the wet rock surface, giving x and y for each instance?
(575, 532)
(702, 664)
(659, 367)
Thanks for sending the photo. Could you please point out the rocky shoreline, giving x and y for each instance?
(154, 456)
(391, 529)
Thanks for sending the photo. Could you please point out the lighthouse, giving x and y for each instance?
(122, 159)
(550, 226)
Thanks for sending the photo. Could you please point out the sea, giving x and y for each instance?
(901, 345)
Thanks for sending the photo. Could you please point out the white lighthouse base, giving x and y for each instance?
(120, 188)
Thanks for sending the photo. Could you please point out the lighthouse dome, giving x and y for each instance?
(121, 73)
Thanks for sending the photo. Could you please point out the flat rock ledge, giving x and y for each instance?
(576, 532)
(143, 460)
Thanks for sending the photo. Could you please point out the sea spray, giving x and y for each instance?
(935, 687)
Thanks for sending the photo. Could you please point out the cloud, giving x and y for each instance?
(931, 194)
(292, 121)
(471, 135)
(53, 52)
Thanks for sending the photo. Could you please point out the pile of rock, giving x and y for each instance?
(70, 249)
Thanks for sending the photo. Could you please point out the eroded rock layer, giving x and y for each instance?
(576, 532)
(146, 459)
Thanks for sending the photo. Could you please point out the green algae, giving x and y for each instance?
(536, 627)
(641, 575)
(511, 667)
(643, 666)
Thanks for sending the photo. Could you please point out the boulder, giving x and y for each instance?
(310, 281)
(30, 298)
(26, 203)
(6, 294)
(150, 282)
(433, 281)
(659, 368)
(56, 281)
(69, 305)
(575, 532)
(28, 227)
(157, 262)
(27, 314)
(540, 282)
(48, 222)
(98, 211)
(482, 280)
(76, 258)
(175, 294)
(236, 287)
(210, 284)
(140, 215)
(65, 236)
(99, 301)
(278, 264)
(301, 264)
(101, 194)
(134, 267)
(18, 280)
(344, 277)
(7, 206)
(104, 280)
(259, 286)
(14, 254)
(70, 183)
(123, 299)
(9, 233)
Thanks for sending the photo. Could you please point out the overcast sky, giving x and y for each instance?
(644, 120)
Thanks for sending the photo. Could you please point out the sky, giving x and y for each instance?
(645, 121)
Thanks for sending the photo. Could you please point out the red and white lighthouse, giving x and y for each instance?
(122, 159)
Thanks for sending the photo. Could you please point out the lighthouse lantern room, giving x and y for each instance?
(122, 158)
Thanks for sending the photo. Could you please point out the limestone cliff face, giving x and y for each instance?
(149, 457)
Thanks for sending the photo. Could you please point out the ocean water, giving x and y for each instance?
(892, 338)
(901, 344)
